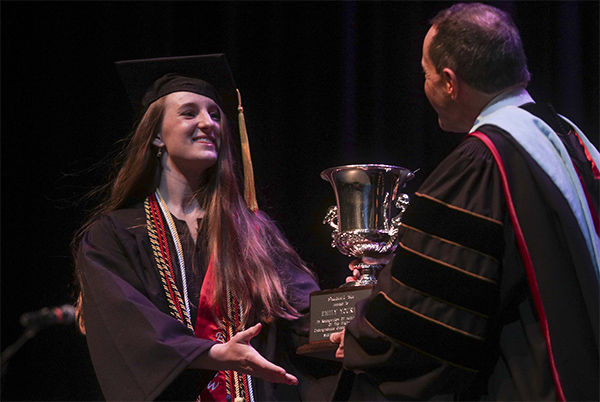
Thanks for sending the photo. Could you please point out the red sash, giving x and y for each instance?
(225, 386)
(207, 328)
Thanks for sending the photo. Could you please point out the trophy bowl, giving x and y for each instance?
(362, 220)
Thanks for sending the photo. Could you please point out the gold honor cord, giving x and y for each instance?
(178, 248)
(242, 383)
(160, 250)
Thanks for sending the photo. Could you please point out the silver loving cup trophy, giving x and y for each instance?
(362, 221)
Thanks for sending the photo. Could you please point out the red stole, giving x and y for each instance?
(225, 386)
(207, 328)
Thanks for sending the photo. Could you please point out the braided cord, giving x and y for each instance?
(228, 378)
(248, 379)
(241, 382)
(160, 250)
(162, 268)
(231, 375)
(166, 255)
(178, 249)
(245, 378)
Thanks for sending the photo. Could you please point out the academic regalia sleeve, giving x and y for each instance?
(138, 351)
(317, 377)
(280, 339)
(440, 289)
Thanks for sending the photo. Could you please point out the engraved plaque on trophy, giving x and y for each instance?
(363, 225)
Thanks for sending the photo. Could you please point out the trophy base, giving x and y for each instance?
(322, 350)
(330, 311)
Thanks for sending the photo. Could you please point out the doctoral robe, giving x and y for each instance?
(456, 315)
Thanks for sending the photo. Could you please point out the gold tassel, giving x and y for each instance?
(249, 190)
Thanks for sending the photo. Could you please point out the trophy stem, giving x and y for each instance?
(368, 274)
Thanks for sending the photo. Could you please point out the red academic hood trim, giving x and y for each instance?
(533, 285)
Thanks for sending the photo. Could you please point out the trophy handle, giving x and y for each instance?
(331, 217)
(401, 203)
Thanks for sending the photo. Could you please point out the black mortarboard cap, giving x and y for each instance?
(147, 80)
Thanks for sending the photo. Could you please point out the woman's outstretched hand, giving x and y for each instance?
(237, 354)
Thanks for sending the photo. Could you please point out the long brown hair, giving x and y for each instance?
(245, 247)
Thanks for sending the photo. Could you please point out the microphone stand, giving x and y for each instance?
(32, 324)
(7, 353)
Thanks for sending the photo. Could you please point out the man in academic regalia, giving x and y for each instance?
(493, 291)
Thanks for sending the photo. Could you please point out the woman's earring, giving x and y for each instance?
(159, 153)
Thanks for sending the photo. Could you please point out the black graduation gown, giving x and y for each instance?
(138, 350)
(453, 315)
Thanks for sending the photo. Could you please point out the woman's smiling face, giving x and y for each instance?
(190, 133)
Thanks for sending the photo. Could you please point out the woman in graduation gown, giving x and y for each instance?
(177, 271)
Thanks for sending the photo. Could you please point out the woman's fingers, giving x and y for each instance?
(249, 361)
(258, 366)
(246, 335)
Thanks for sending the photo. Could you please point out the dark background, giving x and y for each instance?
(323, 84)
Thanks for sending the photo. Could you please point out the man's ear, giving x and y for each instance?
(450, 82)
(158, 141)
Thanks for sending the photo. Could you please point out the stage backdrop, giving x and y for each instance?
(323, 84)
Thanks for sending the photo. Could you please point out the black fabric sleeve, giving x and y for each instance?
(441, 288)
(138, 351)
(279, 340)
